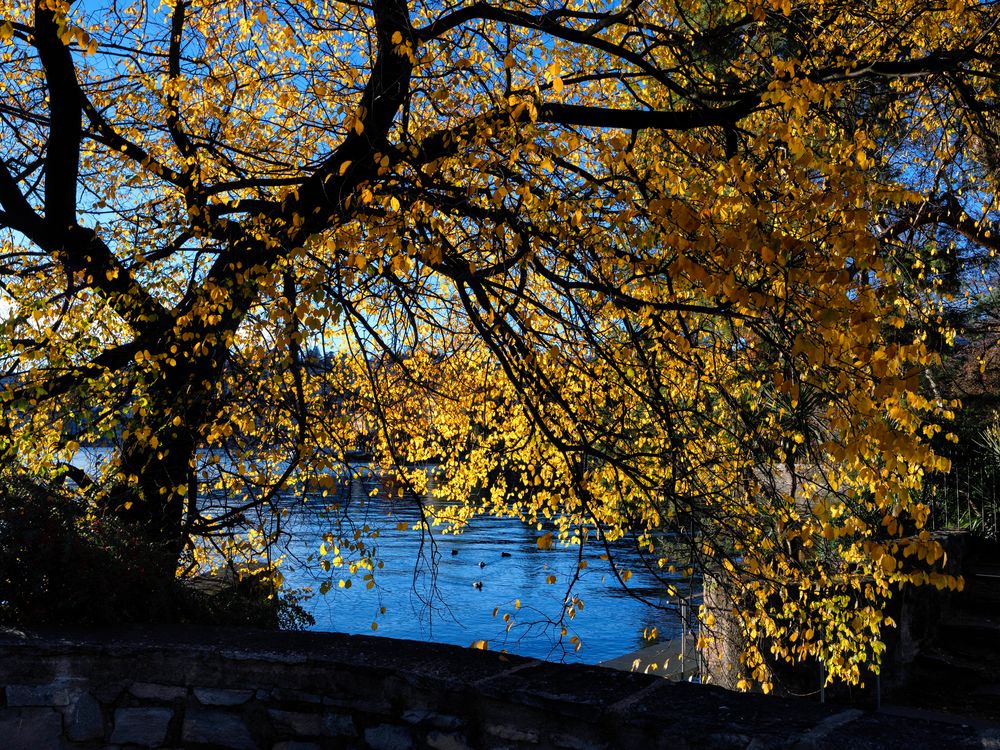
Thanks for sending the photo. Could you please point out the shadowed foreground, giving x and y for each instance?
(246, 689)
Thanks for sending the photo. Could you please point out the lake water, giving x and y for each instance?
(427, 591)
(438, 599)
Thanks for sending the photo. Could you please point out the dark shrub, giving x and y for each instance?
(60, 564)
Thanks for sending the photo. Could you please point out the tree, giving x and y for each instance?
(625, 267)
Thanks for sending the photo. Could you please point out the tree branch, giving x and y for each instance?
(62, 158)
(638, 119)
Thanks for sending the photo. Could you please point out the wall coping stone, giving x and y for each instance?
(330, 690)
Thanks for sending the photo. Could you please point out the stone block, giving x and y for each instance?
(54, 694)
(217, 728)
(30, 729)
(389, 737)
(84, 720)
(338, 725)
(447, 741)
(514, 734)
(296, 723)
(152, 691)
(141, 726)
(425, 718)
(222, 697)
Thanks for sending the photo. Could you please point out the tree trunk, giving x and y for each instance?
(157, 481)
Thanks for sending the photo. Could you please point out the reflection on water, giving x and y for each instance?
(446, 588)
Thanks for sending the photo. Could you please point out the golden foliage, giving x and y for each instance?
(668, 267)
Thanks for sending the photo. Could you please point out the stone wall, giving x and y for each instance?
(239, 689)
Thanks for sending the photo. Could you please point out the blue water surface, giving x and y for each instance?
(457, 588)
